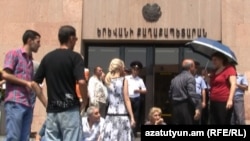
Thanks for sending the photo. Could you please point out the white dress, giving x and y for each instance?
(117, 125)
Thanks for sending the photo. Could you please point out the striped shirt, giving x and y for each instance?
(21, 65)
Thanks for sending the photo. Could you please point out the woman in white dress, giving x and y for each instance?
(119, 119)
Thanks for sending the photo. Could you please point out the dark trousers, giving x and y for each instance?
(135, 103)
(183, 113)
(142, 110)
(102, 109)
(205, 115)
(205, 112)
(197, 122)
(219, 114)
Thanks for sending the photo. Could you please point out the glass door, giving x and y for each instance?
(165, 69)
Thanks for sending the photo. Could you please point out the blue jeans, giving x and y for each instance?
(64, 126)
(33, 99)
(43, 138)
(18, 121)
(42, 130)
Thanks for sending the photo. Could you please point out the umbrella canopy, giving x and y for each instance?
(207, 47)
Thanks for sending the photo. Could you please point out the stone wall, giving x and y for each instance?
(123, 20)
(236, 34)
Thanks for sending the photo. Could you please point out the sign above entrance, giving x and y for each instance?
(152, 33)
(166, 20)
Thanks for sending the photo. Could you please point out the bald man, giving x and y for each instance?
(186, 102)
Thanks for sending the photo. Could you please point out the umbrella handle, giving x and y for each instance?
(206, 65)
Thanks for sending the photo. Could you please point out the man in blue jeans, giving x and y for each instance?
(238, 116)
(62, 68)
(18, 73)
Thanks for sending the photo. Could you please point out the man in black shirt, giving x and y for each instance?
(62, 68)
(186, 103)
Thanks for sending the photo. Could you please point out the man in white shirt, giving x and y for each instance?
(97, 91)
(136, 87)
(92, 124)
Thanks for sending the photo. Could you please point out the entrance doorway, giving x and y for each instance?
(163, 74)
(161, 63)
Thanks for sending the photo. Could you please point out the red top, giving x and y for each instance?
(220, 85)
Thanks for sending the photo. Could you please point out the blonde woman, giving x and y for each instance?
(154, 117)
(119, 119)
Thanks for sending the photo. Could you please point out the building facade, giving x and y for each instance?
(154, 32)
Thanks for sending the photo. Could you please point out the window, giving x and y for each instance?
(101, 56)
(135, 54)
(166, 56)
